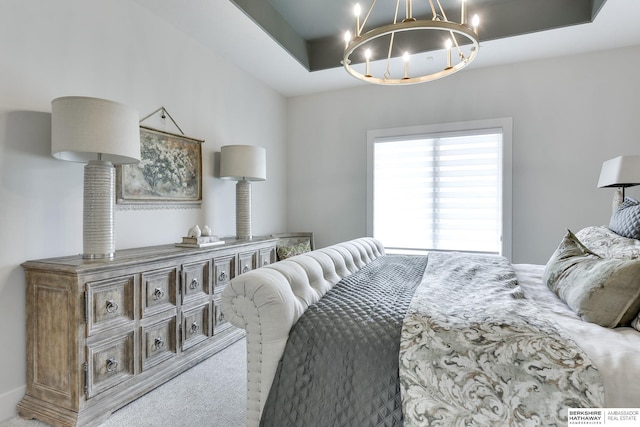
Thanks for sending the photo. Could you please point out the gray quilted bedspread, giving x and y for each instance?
(340, 365)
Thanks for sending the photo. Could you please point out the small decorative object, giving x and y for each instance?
(194, 231)
(200, 241)
(197, 238)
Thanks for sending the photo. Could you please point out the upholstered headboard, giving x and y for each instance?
(268, 301)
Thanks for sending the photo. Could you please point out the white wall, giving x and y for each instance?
(569, 115)
(117, 50)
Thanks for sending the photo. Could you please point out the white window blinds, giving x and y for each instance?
(439, 192)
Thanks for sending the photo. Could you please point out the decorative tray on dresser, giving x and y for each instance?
(103, 333)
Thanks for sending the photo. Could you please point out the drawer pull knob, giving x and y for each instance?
(222, 276)
(245, 268)
(195, 284)
(195, 328)
(158, 294)
(265, 262)
(221, 317)
(158, 343)
(112, 306)
(112, 364)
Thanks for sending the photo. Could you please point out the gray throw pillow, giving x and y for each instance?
(605, 291)
(636, 323)
(625, 221)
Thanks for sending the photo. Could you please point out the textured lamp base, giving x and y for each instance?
(243, 210)
(618, 198)
(98, 218)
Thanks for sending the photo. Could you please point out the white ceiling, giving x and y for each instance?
(226, 30)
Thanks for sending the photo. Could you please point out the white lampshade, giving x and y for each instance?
(83, 127)
(238, 162)
(622, 171)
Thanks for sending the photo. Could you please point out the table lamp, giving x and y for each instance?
(243, 163)
(100, 133)
(621, 172)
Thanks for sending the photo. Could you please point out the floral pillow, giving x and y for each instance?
(288, 251)
(604, 291)
(609, 244)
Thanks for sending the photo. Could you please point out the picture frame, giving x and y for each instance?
(169, 174)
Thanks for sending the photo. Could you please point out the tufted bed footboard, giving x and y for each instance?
(268, 301)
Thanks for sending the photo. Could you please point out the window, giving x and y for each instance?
(443, 187)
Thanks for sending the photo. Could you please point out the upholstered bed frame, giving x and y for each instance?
(282, 292)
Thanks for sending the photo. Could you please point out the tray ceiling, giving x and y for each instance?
(311, 30)
(295, 46)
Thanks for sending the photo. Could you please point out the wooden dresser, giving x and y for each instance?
(103, 333)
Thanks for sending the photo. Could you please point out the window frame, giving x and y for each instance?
(504, 123)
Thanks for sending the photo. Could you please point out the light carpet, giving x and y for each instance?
(212, 393)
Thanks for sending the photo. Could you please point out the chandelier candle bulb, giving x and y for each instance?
(475, 21)
(367, 58)
(347, 38)
(463, 13)
(405, 57)
(356, 12)
(409, 11)
(448, 45)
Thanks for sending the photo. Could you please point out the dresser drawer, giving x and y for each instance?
(110, 362)
(247, 261)
(266, 256)
(195, 281)
(195, 326)
(224, 269)
(158, 342)
(158, 291)
(219, 322)
(110, 303)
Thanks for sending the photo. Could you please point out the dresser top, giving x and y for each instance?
(126, 257)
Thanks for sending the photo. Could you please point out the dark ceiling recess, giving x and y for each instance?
(313, 35)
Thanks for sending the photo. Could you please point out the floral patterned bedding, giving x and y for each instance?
(607, 244)
(475, 351)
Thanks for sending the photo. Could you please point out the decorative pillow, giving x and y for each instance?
(636, 322)
(605, 291)
(288, 251)
(626, 219)
(607, 244)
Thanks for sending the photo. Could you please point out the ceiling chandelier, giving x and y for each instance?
(398, 40)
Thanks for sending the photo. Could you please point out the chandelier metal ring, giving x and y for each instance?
(404, 26)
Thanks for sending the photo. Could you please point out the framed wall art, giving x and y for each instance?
(168, 175)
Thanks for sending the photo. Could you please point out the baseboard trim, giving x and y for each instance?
(9, 402)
